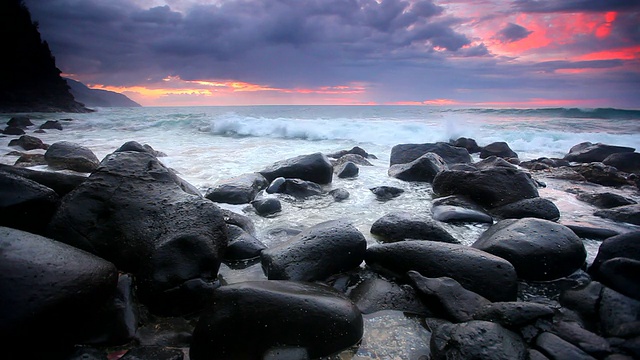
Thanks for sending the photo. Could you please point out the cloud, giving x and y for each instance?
(552, 6)
(512, 32)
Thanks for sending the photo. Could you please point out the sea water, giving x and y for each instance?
(208, 144)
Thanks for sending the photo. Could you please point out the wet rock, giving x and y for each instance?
(67, 155)
(246, 320)
(275, 185)
(242, 245)
(356, 159)
(490, 188)
(470, 144)
(133, 211)
(166, 331)
(376, 294)
(499, 149)
(267, 206)
(405, 153)
(136, 146)
(584, 299)
(316, 253)
(314, 167)
(50, 290)
(628, 213)
(481, 340)
(587, 232)
(627, 162)
(28, 160)
(153, 352)
(25, 204)
(536, 355)
(589, 342)
(424, 168)
(348, 170)
(299, 189)
(386, 192)
(238, 190)
(22, 122)
(605, 200)
(51, 124)
(447, 298)
(61, 183)
(487, 275)
(625, 245)
(539, 249)
(621, 274)
(514, 314)
(538, 207)
(339, 194)
(555, 347)
(588, 152)
(493, 161)
(599, 173)
(544, 163)
(616, 309)
(457, 214)
(400, 226)
(28, 142)
(356, 150)
(13, 130)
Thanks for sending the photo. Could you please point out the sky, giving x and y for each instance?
(473, 53)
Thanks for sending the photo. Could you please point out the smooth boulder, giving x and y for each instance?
(487, 275)
(405, 153)
(499, 149)
(540, 250)
(424, 168)
(314, 167)
(71, 156)
(400, 226)
(29, 143)
(316, 253)
(238, 190)
(248, 320)
(588, 152)
(627, 213)
(537, 207)
(627, 161)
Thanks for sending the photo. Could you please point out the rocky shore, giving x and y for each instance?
(126, 260)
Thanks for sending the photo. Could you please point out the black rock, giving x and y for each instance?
(424, 168)
(627, 213)
(405, 153)
(238, 190)
(348, 170)
(246, 320)
(314, 167)
(539, 249)
(585, 299)
(400, 226)
(29, 143)
(356, 159)
(615, 310)
(316, 253)
(599, 173)
(586, 340)
(51, 124)
(457, 214)
(61, 183)
(50, 290)
(586, 232)
(555, 348)
(20, 121)
(588, 152)
(25, 204)
(133, 211)
(67, 155)
(513, 314)
(493, 161)
(625, 245)
(490, 188)
(13, 130)
(499, 149)
(487, 275)
(621, 274)
(356, 150)
(299, 188)
(538, 207)
(242, 245)
(339, 194)
(627, 161)
(479, 340)
(386, 192)
(136, 146)
(267, 206)
(447, 298)
(375, 294)
(28, 160)
(275, 185)
(470, 144)
(604, 200)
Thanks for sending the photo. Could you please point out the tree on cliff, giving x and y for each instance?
(29, 78)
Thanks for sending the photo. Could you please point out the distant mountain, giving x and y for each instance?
(29, 78)
(97, 97)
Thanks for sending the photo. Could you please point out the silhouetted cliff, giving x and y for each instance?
(29, 78)
(98, 97)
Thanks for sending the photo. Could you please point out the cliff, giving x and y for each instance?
(29, 78)
(98, 97)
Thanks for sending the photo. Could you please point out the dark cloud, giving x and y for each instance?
(550, 6)
(512, 32)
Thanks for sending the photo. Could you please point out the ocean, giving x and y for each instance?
(208, 144)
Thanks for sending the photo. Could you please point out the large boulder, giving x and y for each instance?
(470, 144)
(537, 207)
(605, 200)
(424, 168)
(476, 270)
(478, 340)
(133, 211)
(556, 348)
(458, 214)
(50, 290)
(238, 190)
(374, 294)
(599, 173)
(67, 155)
(626, 161)
(400, 226)
(490, 187)
(539, 249)
(314, 167)
(248, 320)
(299, 188)
(61, 183)
(627, 213)
(25, 204)
(20, 121)
(500, 149)
(29, 143)
(625, 245)
(316, 253)
(405, 153)
(588, 152)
